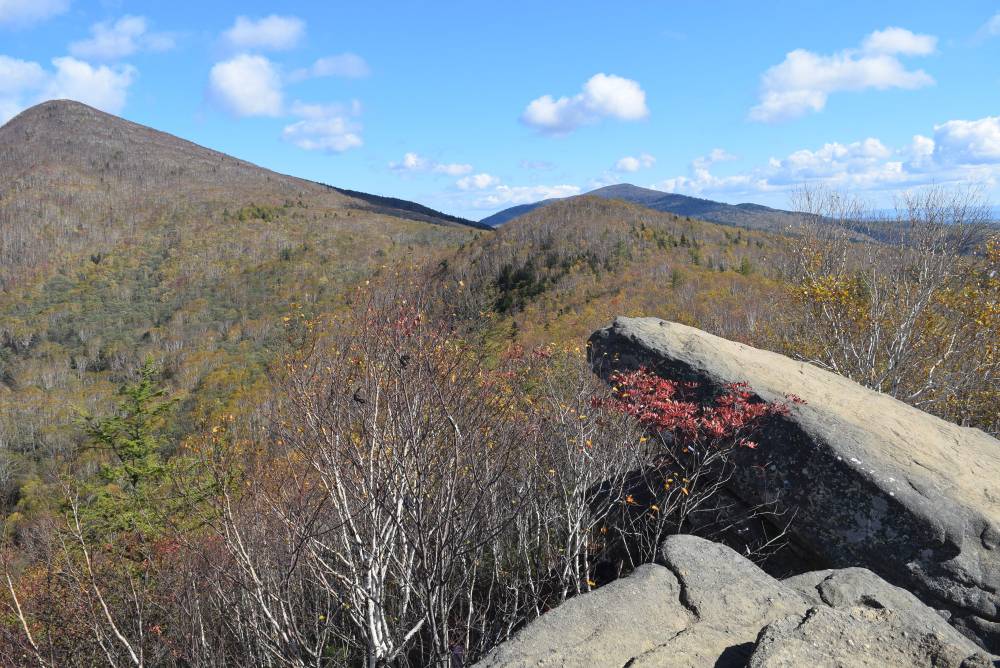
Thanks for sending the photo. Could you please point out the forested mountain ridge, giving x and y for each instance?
(73, 178)
(753, 216)
(119, 242)
(920, 301)
(209, 371)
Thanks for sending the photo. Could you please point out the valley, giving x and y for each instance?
(252, 406)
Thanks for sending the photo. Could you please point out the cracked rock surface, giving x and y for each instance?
(705, 605)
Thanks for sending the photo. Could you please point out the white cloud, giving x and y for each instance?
(103, 87)
(19, 13)
(19, 79)
(992, 27)
(960, 152)
(804, 80)
(603, 96)
(415, 163)
(477, 182)
(411, 162)
(856, 162)
(252, 85)
(24, 83)
(247, 85)
(634, 164)
(278, 33)
(334, 134)
(346, 65)
(920, 151)
(703, 182)
(899, 41)
(512, 195)
(17, 76)
(331, 128)
(968, 142)
(716, 155)
(316, 111)
(124, 37)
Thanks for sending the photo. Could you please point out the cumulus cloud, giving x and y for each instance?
(17, 76)
(703, 182)
(960, 152)
(511, 195)
(415, 163)
(247, 85)
(411, 162)
(803, 82)
(332, 134)
(860, 163)
(124, 37)
(19, 79)
(102, 87)
(18, 13)
(252, 85)
(345, 65)
(477, 182)
(24, 83)
(968, 142)
(277, 33)
(920, 152)
(716, 155)
(899, 41)
(603, 96)
(634, 164)
(330, 128)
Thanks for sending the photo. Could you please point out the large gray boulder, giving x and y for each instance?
(606, 627)
(869, 480)
(855, 638)
(705, 605)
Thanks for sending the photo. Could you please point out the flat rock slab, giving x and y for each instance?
(856, 638)
(603, 628)
(705, 605)
(869, 480)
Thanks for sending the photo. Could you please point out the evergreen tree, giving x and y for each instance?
(124, 497)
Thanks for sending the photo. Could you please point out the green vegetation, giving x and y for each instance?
(927, 312)
(319, 429)
(135, 463)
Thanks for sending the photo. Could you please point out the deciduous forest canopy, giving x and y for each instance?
(249, 419)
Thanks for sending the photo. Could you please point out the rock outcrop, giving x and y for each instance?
(705, 605)
(869, 480)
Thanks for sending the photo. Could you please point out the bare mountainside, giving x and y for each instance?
(73, 177)
(753, 216)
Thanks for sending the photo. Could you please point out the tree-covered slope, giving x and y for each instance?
(753, 216)
(915, 317)
(119, 242)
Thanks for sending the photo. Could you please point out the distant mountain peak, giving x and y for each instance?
(83, 143)
(78, 179)
(742, 215)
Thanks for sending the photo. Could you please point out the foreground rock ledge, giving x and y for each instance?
(871, 481)
(705, 605)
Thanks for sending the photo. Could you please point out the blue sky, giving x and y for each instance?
(471, 107)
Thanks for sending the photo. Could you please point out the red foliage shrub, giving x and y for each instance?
(666, 407)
